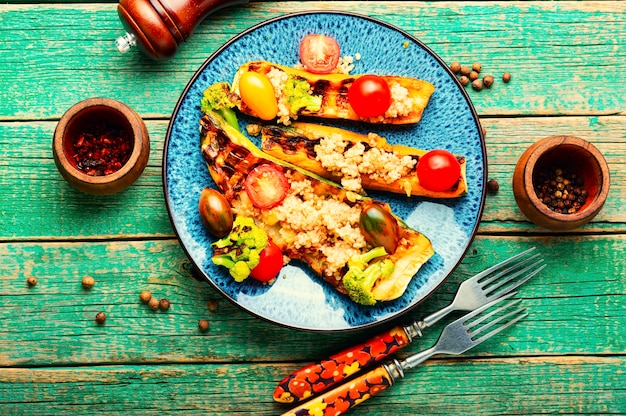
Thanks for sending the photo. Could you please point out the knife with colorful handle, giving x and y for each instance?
(456, 338)
(473, 293)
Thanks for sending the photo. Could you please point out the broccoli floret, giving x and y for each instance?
(361, 276)
(299, 97)
(240, 251)
(217, 96)
(220, 99)
(240, 271)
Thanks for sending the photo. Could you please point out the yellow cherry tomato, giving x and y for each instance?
(257, 92)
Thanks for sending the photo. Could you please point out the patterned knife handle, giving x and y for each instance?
(317, 377)
(351, 393)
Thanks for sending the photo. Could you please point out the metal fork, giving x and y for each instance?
(473, 293)
(486, 286)
(456, 338)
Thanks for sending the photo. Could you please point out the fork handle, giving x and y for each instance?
(346, 396)
(317, 377)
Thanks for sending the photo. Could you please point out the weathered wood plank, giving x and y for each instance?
(39, 204)
(52, 323)
(567, 356)
(570, 385)
(547, 46)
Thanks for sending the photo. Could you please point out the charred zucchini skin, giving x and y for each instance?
(297, 142)
(230, 156)
(333, 88)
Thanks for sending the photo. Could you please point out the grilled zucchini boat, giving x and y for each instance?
(335, 154)
(409, 96)
(317, 222)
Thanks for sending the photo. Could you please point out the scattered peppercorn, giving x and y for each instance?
(483, 131)
(455, 67)
(471, 75)
(100, 318)
(31, 281)
(164, 304)
(153, 303)
(561, 191)
(203, 325)
(477, 85)
(145, 296)
(88, 282)
(212, 305)
(493, 186)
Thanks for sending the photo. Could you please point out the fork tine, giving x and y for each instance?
(483, 318)
(495, 267)
(489, 279)
(478, 329)
(491, 291)
(503, 327)
(486, 306)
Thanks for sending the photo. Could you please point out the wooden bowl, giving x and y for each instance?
(573, 155)
(98, 121)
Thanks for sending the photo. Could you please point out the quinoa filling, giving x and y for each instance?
(401, 102)
(278, 78)
(305, 221)
(353, 161)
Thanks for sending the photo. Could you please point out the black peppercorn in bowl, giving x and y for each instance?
(101, 146)
(561, 182)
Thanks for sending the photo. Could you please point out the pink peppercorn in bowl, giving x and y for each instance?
(561, 182)
(101, 146)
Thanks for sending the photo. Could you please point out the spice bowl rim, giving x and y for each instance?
(123, 177)
(524, 187)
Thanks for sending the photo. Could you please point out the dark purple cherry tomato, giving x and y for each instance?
(379, 227)
(215, 212)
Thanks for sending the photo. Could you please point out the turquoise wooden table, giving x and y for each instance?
(568, 66)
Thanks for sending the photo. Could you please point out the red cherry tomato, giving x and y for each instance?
(270, 264)
(215, 212)
(319, 53)
(438, 170)
(266, 186)
(369, 96)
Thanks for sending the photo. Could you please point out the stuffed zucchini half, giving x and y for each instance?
(359, 161)
(353, 242)
(298, 92)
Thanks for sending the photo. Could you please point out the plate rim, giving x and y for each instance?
(195, 270)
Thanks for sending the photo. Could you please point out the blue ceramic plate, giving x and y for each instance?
(298, 299)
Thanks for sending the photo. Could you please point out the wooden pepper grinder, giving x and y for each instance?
(158, 27)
